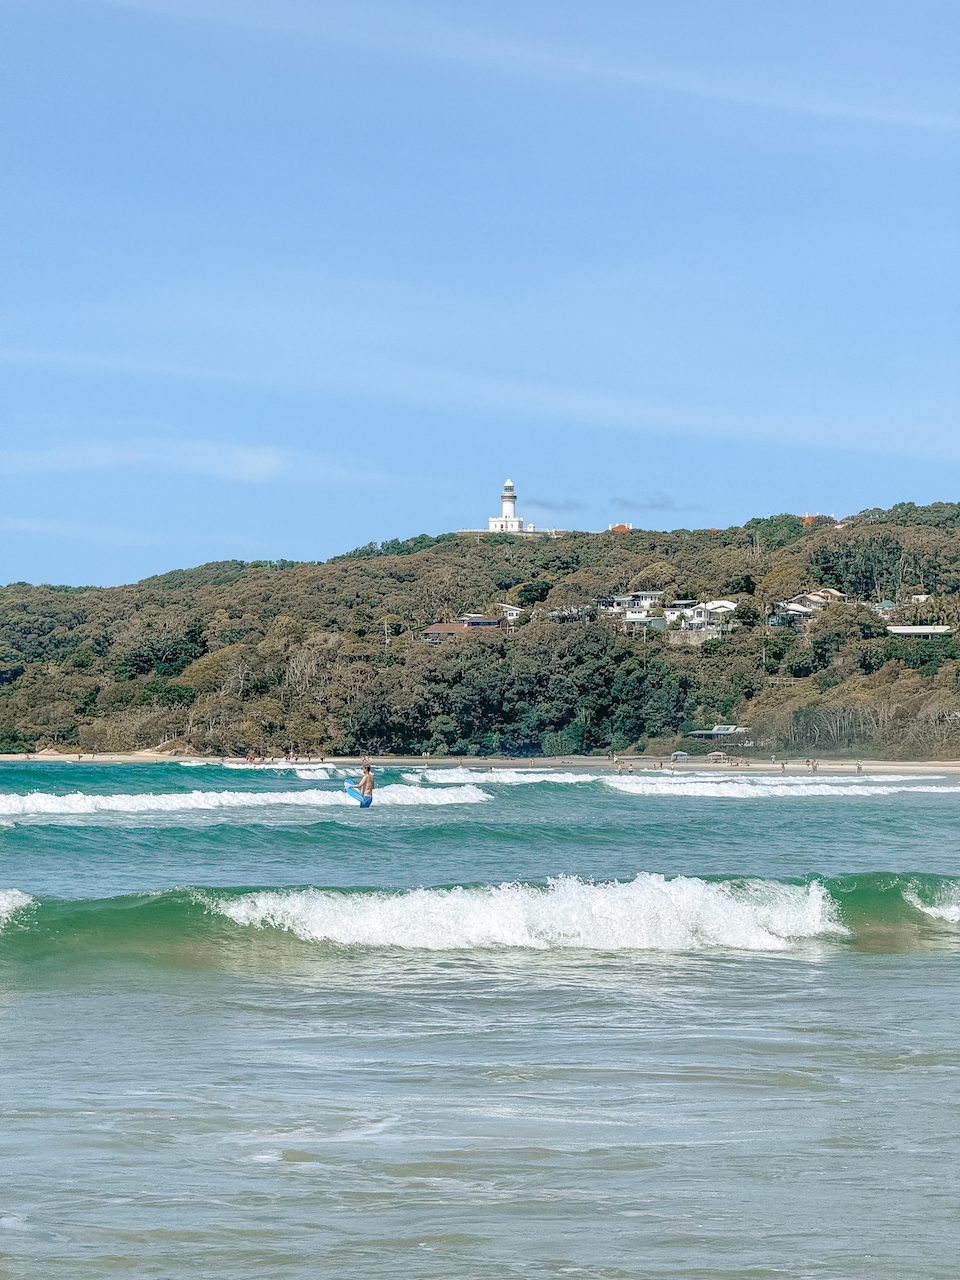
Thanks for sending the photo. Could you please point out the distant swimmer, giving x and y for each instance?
(362, 790)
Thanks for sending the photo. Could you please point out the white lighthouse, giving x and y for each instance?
(508, 521)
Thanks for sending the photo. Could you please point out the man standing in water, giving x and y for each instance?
(363, 790)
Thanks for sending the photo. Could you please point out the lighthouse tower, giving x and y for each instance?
(509, 521)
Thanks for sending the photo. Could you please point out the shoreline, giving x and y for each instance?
(594, 764)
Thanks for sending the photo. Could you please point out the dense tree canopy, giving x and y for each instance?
(233, 655)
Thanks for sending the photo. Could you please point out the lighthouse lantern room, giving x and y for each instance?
(508, 521)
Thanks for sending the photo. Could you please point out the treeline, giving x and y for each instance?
(232, 655)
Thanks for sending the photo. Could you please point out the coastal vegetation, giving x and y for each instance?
(234, 656)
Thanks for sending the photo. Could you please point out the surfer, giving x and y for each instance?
(362, 790)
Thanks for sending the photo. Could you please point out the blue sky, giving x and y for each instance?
(280, 277)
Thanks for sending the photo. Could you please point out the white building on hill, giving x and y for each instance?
(508, 521)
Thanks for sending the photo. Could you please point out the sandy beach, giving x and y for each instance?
(594, 764)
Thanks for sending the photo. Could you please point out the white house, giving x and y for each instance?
(682, 611)
(713, 613)
(728, 731)
(510, 611)
(636, 600)
(634, 618)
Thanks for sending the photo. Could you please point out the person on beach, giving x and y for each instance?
(859, 766)
(630, 768)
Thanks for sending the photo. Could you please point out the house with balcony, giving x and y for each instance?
(637, 601)
(437, 632)
(511, 612)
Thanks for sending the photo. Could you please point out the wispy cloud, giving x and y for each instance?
(250, 464)
(560, 507)
(82, 530)
(378, 376)
(653, 502)
(241, 463)
(400, 29)
(70, 531)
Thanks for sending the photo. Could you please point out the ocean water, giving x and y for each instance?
(526, 1023)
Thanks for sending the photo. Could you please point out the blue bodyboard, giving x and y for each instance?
(351, 790)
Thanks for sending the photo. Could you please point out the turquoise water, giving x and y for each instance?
(520, 1024)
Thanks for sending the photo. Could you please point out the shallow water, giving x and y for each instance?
(517, 1024)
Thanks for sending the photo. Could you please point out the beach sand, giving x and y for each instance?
(594, 764)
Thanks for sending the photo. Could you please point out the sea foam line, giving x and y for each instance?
(742, 788)
(778, 779)
(39, 802)
(648, 913)
(511, 777)
(654, 777)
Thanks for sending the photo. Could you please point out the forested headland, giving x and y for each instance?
(234, 656)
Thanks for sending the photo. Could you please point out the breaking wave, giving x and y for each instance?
(511, 777)
(648, 913)
(942, 904)
(39, 802)
(11, 901)
(760, 788)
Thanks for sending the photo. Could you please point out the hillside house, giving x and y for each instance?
(440, 631)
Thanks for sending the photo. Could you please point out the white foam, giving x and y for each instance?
(947, 908)
(316, 773)
(648, 913)
(266, 764)
(11, 900)
(780, 779)
(40, 802)
(758, 789)
(511, 777)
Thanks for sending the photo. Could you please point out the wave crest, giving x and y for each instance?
(648, 913)
(945, 906)
(512, 777)
(78, 803)
(758, 789)
(11, 901)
